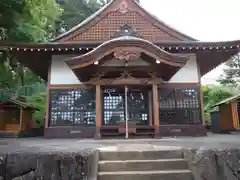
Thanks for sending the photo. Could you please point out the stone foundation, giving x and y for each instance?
(204, 164)
(27, 166)
(214, 164)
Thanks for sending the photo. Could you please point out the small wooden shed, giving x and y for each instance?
(16, 116)
(229, 113)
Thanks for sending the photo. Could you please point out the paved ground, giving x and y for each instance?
(35, 145)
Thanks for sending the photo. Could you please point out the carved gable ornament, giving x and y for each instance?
(127, 55)
(127, 30)
(123, 7)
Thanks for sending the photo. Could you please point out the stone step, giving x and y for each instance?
(146, 175)
(140, 155)
(143, 165)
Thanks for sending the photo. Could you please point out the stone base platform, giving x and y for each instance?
(31, 158)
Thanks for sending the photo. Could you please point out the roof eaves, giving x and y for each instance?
(22, 104)
(228, 100)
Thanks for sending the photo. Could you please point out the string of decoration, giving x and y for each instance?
(207, 48)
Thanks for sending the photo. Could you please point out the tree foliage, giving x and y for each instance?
(75, 11)
(231, 72)
(28, 20)
(38, 100)
(24, 21)
(9, 12)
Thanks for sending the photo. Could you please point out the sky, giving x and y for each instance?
(205, 20)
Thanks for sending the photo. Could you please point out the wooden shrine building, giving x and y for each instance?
(229, 114)
(123, 72)
(16, 117)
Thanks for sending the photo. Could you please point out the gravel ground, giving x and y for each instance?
(35, 145)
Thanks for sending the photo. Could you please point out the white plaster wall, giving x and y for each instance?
(60, 72)
(188, 73)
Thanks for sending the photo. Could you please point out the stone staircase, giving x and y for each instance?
(143, 165)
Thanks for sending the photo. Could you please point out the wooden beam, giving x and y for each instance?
(155, 107)
(98, 112)
(127, 79)
(67, 86)
(21, 119)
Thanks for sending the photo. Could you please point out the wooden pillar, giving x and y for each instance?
(202, 105)
(21, 120)
(150, 109)
(1, 119)
(98, 112)
(47, 116)
(155, 109)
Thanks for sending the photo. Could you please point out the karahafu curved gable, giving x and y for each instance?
(126, 43)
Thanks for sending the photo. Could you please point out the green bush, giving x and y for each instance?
(38, 100)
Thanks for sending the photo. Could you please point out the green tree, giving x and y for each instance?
(25, 21)
(38, 100)
(231, 72)
(75, 11)
(36, 22)
(9, 12)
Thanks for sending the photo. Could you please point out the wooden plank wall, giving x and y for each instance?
(226, 118)
(235, 115)
(26, 120)
(7, 114)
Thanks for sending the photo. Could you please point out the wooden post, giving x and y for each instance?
(98, 112)
(150, 109)
(202, 105)
(21, 119)
(46, 116)
(1, 119)
(155, 109)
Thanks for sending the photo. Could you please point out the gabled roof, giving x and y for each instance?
(97, 16)
(228, 100)
(19, 103)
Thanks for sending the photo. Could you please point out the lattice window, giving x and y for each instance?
(187, 98)
(72, 107)
(113, 106)
(166, 98)
(179, 106)
(138, 106)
